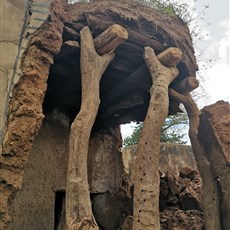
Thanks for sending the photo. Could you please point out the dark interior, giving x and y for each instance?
(124, 88)
(58, 208)
(125, 85)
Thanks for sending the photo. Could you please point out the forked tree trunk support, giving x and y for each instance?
(78, 206)
(146, 187)
(210, 200)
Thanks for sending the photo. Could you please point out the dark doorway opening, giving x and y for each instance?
(59, 207)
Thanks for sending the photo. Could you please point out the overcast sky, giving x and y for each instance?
(213, 45)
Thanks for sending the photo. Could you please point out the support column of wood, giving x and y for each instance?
(146, 187)
(210, 201)
(78, 206)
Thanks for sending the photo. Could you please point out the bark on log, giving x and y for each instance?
(78, 206)
(210, 201)
(146, 187)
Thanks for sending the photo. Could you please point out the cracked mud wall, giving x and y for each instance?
(19, 20)
(44, 176)
(213, 133)
(46, 172)
(25, 108)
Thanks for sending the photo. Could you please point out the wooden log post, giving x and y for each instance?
(78, 206)
(146, 186)
(210, 201)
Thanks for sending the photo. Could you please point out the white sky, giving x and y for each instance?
(213, 44)
(215, 47)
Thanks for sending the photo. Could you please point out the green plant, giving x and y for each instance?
(169, 7)
(171, 131)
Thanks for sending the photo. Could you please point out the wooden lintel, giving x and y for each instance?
(140, 76)
(132, 48)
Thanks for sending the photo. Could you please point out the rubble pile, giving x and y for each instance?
(180, 201)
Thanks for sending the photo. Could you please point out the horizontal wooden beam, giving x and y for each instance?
(144, 40)
(138, 79)
(106, 42)
(70, 34)
(187, 85)
(110, 39)
(131, 99)
(170, 57)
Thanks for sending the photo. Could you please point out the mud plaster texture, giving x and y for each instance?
(25, 108)
(45, 174)
(19, 20)
(214, 133)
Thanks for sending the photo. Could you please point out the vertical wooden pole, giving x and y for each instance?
(146, 186)
(78, 206)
